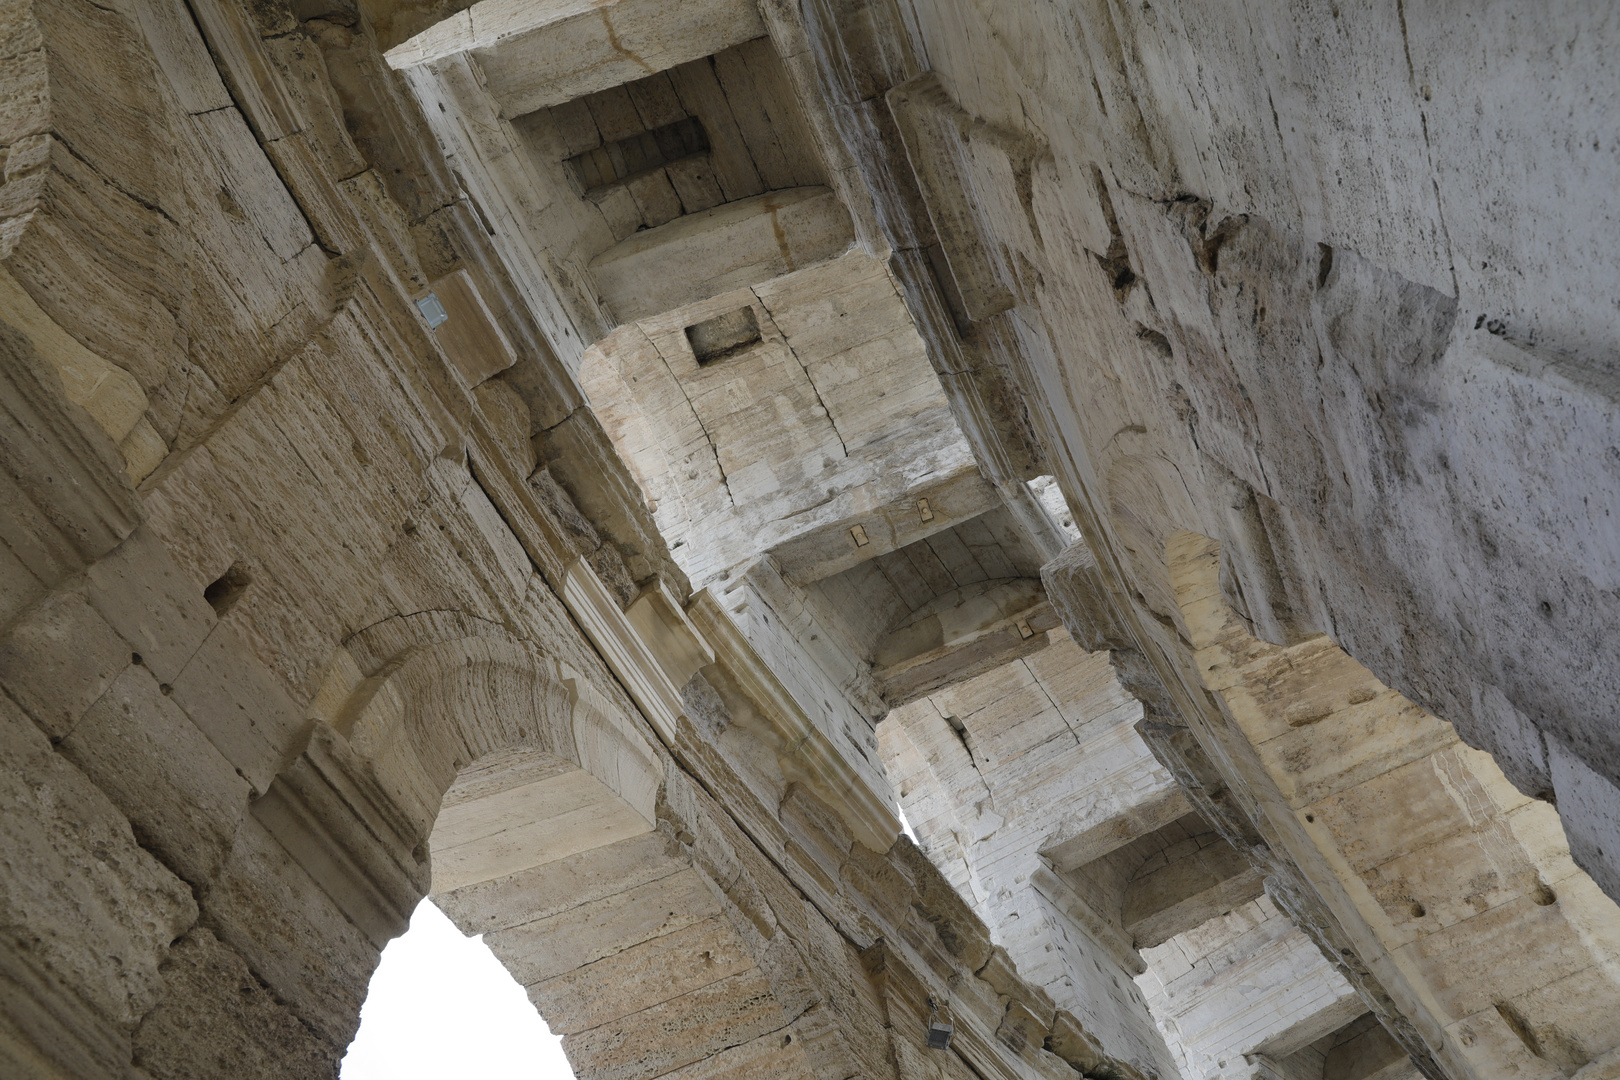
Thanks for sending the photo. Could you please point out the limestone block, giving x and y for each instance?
(661, 620)
(1248, 980)
(328, 811)
(626, 652)
(819, 547)
(584, 460)
(65, 501)
(47, 1031)
(239, 705)
(181, 54)
(1360, 1051)
(1074, 1044)
(936, 132)
(470, 337)
(1604, 1067)
(822, 837)
(303, 167)
(614, 747)
(291, 933)
(772, 1056)
(678, 1032)
(18, 587)
(526, 825)
(565, 51)
(1464, 960)
(151, 602)
(1488, 1042)
(640, 977)
(547, 947)
(181, 796)
(216, 1019)
(253, 183)
(734, 245)
(1075, 584)
(1188, 891)
(547, 890)
(509, 417)
(830, 309)
(915, 1063)
(788, 966)
(112, 397)
(1022, 1029)
(1571, 1022)
(64, 212)
(60, 659)
(99, 911)
(852, 1004)
(1433, 871)
(302, 74)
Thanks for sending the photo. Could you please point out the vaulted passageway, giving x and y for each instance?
(592, 462)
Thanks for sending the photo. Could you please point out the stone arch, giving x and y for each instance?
(435, 709)
(539, 803)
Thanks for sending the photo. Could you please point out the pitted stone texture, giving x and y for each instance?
(215, 1019)
(88, 911)
(1459, 890)
(183, 799)
(1214, 267)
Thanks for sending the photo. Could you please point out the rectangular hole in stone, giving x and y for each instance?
(724, 335)
(223, 593)
(625, 159)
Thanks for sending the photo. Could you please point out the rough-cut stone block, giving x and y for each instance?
(60, 659)
(734, 245)
(148, 599)
(239, 705)
(543, 891)
(641, 977)
(182, 798)
(292, 935)
(216, 1019)
(100, 910)
(542, 949)
(679, 1031)
(773, 1056)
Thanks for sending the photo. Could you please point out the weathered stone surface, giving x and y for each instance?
(1116, 435)
(60, 659)
(680, 1031)
(718, 250)
(215, 1019)
(541, 892)
(89, 913)
(291, 933)
(182, 797)
(146, 597)
(640, 977)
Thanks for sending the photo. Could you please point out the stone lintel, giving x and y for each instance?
(539, 54)
(863, 800)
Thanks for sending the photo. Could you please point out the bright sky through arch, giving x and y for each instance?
(441, 1005)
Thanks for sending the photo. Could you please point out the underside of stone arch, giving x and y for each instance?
(604, 466)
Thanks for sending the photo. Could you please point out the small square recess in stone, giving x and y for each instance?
(724, 335)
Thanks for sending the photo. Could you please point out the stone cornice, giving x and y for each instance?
(706, 633)
(867, 810)
(627, 653)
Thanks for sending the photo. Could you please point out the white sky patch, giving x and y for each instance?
(441, 1005)
(906, 825)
